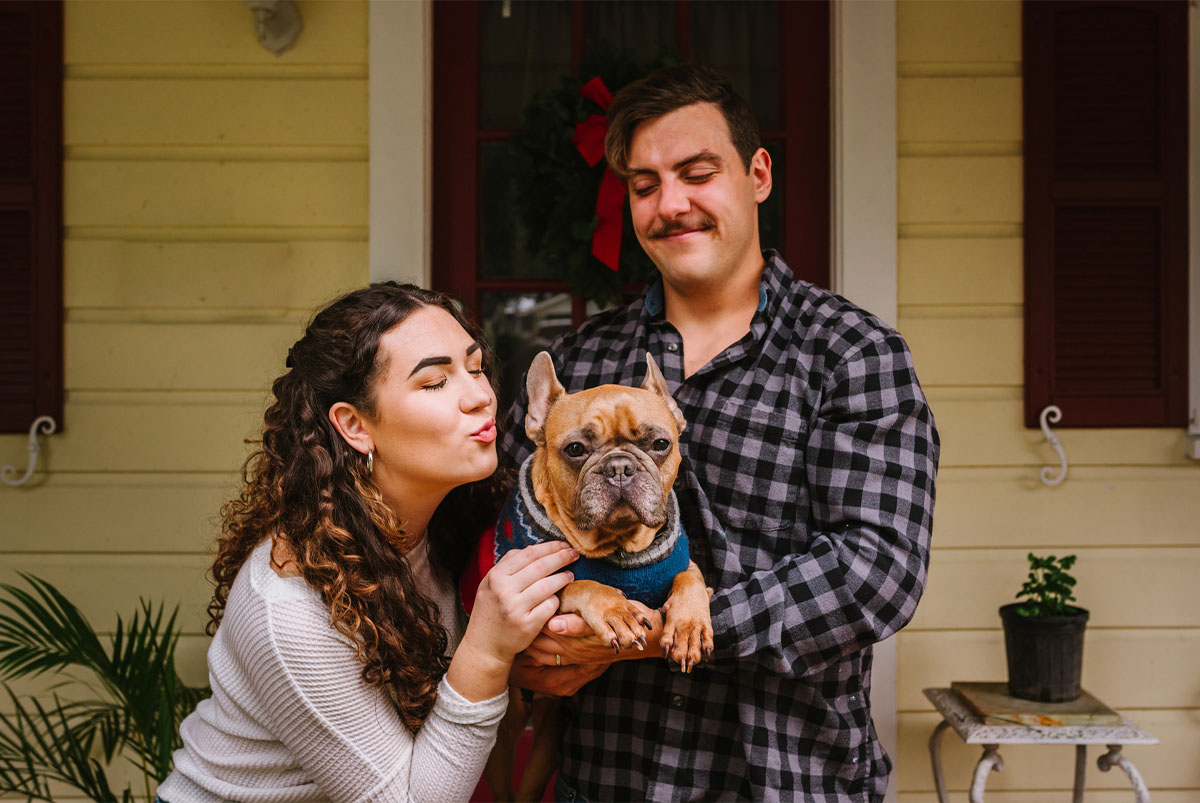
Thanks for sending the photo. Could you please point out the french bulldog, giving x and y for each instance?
(601, 478)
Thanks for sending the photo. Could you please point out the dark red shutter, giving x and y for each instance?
(30, 213)
(1106, 212)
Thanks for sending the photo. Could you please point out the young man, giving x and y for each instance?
(807, 486)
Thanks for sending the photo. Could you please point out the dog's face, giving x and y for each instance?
(606, 458)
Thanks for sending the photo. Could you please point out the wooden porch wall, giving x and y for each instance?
(1129, 507)
(215, 194)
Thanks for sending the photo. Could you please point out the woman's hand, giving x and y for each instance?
(514, 601)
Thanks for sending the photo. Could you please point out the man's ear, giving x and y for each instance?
(657, 383)
(760, 170)
(543, 388)
(352, 426)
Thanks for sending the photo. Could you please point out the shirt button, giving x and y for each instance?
(672, 347)
(677, 701)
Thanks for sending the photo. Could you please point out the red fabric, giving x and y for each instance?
(610, 200)
(589, 138)
(479, 565)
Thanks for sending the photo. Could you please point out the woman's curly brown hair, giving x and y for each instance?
(305, 483)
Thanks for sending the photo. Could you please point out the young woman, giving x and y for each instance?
(335, 599)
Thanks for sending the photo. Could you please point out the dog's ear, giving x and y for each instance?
(656, 383)
(543, 388)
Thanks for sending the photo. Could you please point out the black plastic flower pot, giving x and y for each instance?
(1045, 654)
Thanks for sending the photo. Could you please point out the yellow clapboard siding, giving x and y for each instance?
(1127, 668)
(190, 657)
(966, 350)
(1051, 768)
(105, 586)
(159, 437)
(303, 274)
(174, 513)
(217, 356)
(1121, 587)
(1095, 506)
(210, 112)
(122, 193)
(980, 431)
(971, 109)
(982, 270)
(960, 189)
(199, 32)
(953, 31)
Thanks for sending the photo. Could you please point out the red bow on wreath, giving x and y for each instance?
(610, 201)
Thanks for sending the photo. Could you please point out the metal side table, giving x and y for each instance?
(973, 730)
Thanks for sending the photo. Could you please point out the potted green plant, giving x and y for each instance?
(1043, 635)
(124, 697)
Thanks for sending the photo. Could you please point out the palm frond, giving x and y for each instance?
(140, 697)
(40, 746)
(42, 631)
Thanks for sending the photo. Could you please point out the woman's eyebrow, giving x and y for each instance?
(441, 360)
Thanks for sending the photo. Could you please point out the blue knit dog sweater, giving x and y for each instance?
(644, 576)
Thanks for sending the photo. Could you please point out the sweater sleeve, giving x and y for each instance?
(347, 735)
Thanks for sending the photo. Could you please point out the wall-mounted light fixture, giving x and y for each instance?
(277, 23)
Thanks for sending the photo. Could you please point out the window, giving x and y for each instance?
(492, 58)
(1106, 171)
(30, 213)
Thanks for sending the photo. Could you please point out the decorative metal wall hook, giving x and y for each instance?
(47, 426)
(1054, 415)
(277, 23)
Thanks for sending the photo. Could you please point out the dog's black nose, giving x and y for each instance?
(619, 469)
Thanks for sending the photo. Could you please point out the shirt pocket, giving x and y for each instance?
(752, 461)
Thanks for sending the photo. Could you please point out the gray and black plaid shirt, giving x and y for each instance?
(807, 489)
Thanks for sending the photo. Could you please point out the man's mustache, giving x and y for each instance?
(669, 228)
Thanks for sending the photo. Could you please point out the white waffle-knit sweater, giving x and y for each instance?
(290, 718)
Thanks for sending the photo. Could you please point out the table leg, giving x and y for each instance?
(990, 761)
(935, 757)
(1080, 772)
(1113, 757)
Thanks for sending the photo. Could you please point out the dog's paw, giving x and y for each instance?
(687, 640)
(618, 623)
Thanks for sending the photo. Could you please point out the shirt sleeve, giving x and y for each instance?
(871, 459)
(347, 736)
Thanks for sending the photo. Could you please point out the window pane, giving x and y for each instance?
(518, 326)
(741, 40)
(520, 55)
(647, 29)
(502, 240)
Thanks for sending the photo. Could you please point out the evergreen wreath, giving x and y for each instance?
(555, 189)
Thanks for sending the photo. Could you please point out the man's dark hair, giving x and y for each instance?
(670, 88)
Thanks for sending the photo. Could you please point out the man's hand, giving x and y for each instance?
(567, 640)
(558, 681)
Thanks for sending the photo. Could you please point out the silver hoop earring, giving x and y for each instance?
(370, 461)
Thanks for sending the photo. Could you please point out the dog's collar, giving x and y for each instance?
(545, 530)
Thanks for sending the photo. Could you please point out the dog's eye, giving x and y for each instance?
(660, 445)
(575, 449)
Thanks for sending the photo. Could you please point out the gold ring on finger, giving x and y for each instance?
(557, 659)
